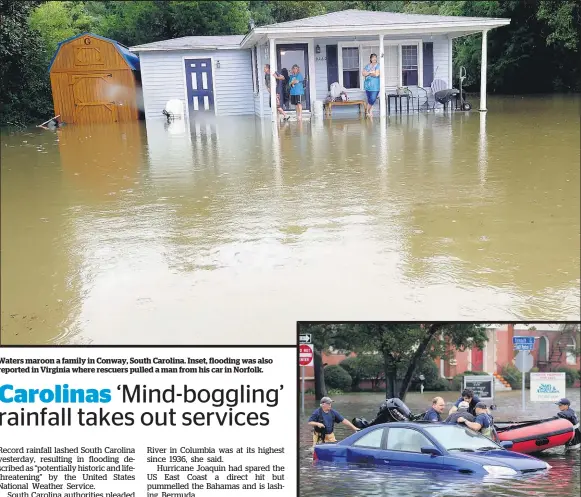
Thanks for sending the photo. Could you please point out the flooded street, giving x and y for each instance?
(146, 233)
(562, 480)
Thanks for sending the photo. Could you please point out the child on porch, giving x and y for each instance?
(297, 90)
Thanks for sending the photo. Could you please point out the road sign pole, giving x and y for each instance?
(303, 391)
(523, 392)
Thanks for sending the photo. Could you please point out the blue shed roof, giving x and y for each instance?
(131, 59)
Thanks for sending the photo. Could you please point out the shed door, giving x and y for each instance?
(93, 98)
(199, 84)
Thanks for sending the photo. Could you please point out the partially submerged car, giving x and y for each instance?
(430, 446)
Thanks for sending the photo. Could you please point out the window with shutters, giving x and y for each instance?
(402, 63)
(351, 67)
(409, 65)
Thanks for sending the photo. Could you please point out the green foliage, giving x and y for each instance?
(563, 18)
(135, 23)
(402, 347)
(439, 385)
(351, 365)
(538, 52)
(511, 374)
(364, 367)
(337, 377)
(24, 89)
(57, 21)
(571, 375)
(284, 10)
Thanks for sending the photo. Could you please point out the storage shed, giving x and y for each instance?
(95, 80)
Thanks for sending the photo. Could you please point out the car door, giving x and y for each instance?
(368, 448)
(403, 449)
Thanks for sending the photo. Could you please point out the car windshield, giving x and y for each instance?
(455, 437)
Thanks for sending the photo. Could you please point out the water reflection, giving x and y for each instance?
(482, 150)
(431, 215)
(330, 479)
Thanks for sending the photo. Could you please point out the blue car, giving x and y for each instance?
(429, 446)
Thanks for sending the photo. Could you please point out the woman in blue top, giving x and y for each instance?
(371, 74)
(297, 90)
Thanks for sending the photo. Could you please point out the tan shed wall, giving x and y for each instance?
(92, 83)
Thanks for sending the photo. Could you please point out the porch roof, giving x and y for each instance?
(364, 22)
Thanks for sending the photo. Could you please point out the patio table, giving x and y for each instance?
(397, 97)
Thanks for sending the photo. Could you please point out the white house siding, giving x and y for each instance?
(162, 76)
(441, 62)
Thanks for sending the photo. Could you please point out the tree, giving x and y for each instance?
(404, 345)
(25, 90)
(57, 21)
(321, 340)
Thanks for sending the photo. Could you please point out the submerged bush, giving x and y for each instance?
(337, 377)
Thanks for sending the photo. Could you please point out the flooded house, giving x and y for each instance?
(224, 76)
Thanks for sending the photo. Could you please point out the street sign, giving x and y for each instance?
(306, 354)
(524, 361)
(547, 387)
(482, 386)
(305, 338)
(523, 343)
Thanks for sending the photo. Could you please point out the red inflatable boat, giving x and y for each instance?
(536, 436)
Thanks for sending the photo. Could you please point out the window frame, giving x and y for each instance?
(382, 442)
(385, 441)
(375, 43)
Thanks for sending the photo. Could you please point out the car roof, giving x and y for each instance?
(409, 424)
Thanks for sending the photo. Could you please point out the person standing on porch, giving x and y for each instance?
(279, 85)
(371, 85)
(297, 90)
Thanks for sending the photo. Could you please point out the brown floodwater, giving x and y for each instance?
(315, 480)
(232, 230)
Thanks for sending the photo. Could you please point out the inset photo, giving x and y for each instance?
(446, 409)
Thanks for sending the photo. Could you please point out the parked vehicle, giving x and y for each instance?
(528, 437)
(429, 446)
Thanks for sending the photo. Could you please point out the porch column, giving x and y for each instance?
(382, 97)
(483, 63)
(312, 79)
(272, 54)
(259, 67)
(450, 63)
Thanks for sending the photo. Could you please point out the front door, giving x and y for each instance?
(477, 359)
(289, 55)
(199, 84)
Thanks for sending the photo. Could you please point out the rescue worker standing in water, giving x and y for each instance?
(566, 412)
(323, 420)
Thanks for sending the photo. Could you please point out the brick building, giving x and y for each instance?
(555, 346)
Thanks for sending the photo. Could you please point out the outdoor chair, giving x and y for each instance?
(418, 94)
(436, 86)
